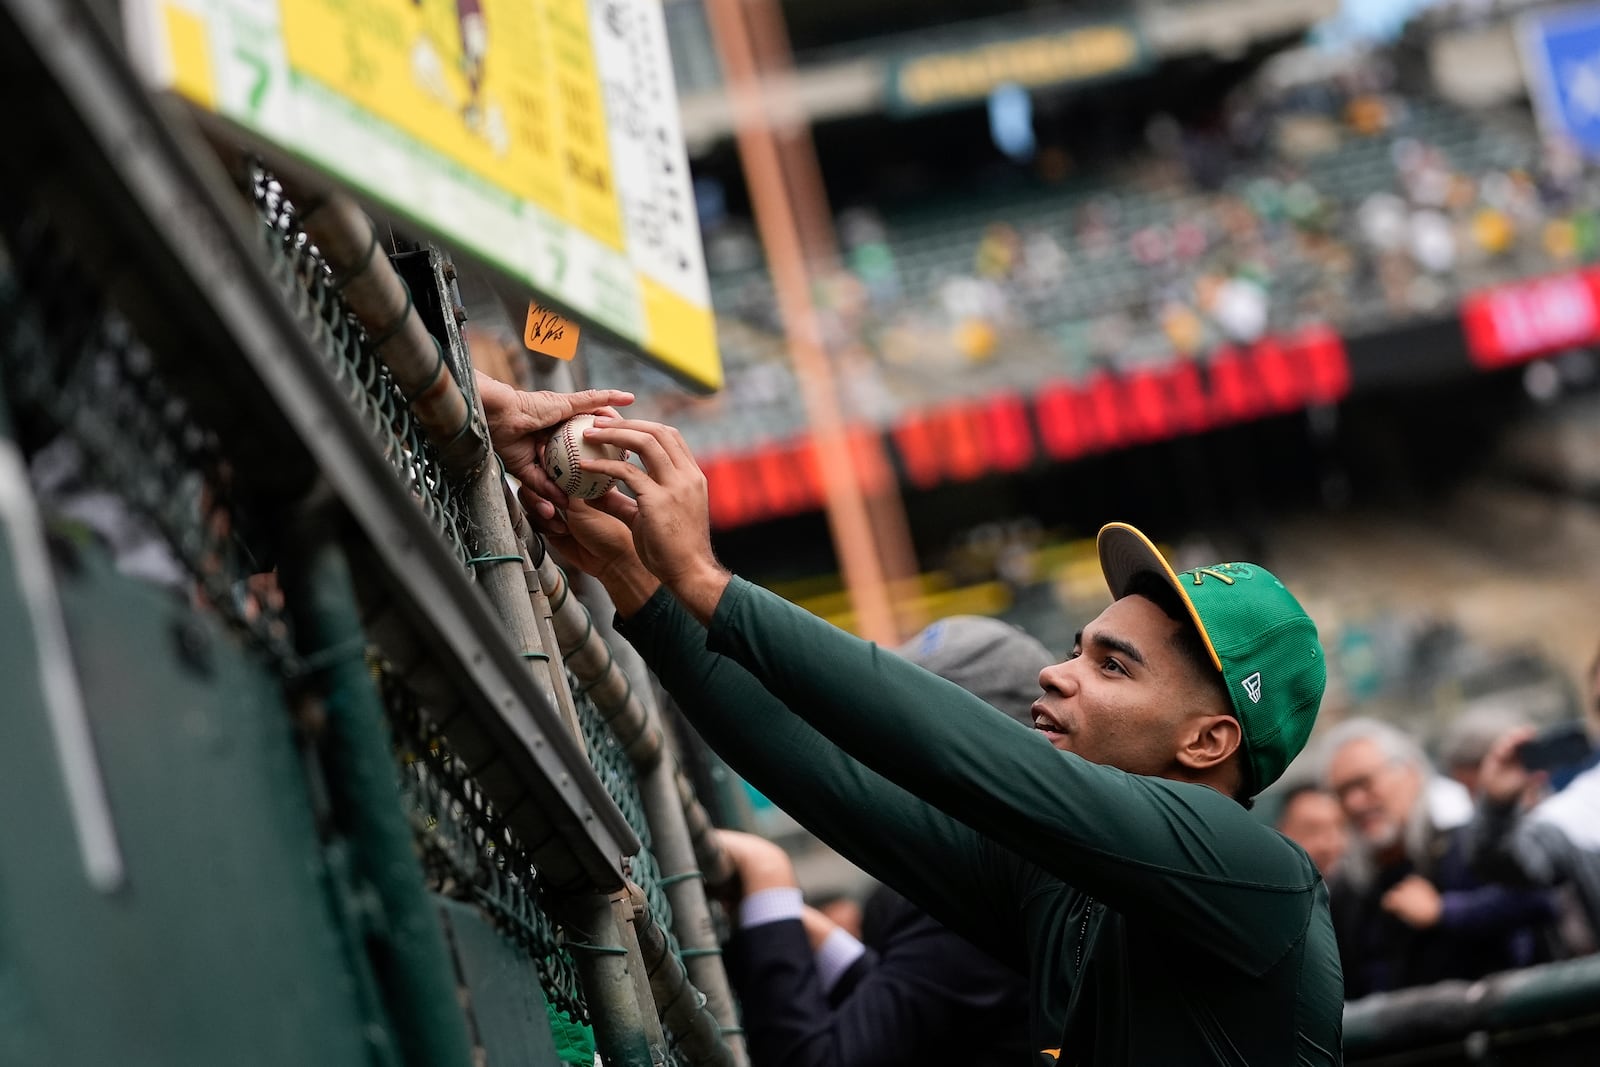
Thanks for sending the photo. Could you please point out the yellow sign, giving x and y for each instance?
(540, 136)
(958, 75)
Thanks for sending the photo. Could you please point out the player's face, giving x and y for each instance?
(1125, 693)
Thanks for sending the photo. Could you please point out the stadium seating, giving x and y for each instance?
(1104, 304)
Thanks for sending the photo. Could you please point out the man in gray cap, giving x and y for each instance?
(990, 659)
(909, 991)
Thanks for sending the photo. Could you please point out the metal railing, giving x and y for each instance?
(1547, 1015)
(196, 366)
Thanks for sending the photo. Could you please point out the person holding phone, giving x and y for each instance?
(1557, 841)
(1407, 907)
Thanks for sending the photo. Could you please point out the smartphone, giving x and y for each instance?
(1563, 745)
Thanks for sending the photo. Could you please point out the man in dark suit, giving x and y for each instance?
(909, 991)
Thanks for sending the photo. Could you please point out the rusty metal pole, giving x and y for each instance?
(848, 517)
(814, 220)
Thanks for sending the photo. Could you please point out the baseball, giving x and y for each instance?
(563, 451)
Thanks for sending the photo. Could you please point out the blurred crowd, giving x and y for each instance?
(1481, 858)
(1483, 861)
(1317, 195)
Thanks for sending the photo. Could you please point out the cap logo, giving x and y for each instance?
(1200, 573)
(1252, 687)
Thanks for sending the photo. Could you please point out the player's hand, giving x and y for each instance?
(520, 423)
(1415, 902)
(588, 535)
(1502, 778)
(760, 863)
(670, 514)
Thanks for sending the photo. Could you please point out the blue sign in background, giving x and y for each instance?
(1561, 51)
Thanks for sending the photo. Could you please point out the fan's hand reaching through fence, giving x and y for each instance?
(520, 423)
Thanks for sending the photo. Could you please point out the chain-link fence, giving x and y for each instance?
(309, 286)
(469, 854)
(479, 850)
(115, 452)
(119, 458)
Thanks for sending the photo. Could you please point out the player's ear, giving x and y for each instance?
(1209, 741)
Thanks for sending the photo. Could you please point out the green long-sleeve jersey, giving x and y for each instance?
(1157, 922)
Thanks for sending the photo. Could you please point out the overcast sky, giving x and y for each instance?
(1370, 19)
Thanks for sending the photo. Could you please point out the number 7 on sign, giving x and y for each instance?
(558, 255)
(261, 79)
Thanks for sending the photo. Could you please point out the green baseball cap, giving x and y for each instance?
(1259, 637)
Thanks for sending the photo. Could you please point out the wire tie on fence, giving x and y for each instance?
(696, 953)
(536, 655)
(598, 950)
(439, 371)
(686, 876)
(475, 560)
(537, 539)
(588, 628)
(604, 670)
(731, 1030)
(566, 587)
(468, 427)
(386, 334)
(342, 278)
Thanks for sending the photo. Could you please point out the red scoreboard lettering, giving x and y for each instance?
(1519, 322)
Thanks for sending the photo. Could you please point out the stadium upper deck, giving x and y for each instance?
(1209, 207)
(848, 55)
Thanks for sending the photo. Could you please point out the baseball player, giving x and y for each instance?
(1106, 854)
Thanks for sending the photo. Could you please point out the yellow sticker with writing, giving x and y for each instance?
(549, 333)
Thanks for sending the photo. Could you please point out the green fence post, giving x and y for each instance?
(414, 969)
(606, 968)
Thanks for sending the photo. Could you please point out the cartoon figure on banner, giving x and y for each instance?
(468, 45)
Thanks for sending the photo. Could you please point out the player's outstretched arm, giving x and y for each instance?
(1184, 855)
(927, 856)
(902, 841)
(1181, 854)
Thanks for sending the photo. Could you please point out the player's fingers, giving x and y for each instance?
(659, 430)
(635, 478)
(672, 441)
(648, 447)
(617, 505)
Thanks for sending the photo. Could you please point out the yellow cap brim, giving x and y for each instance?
(1125, 553)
